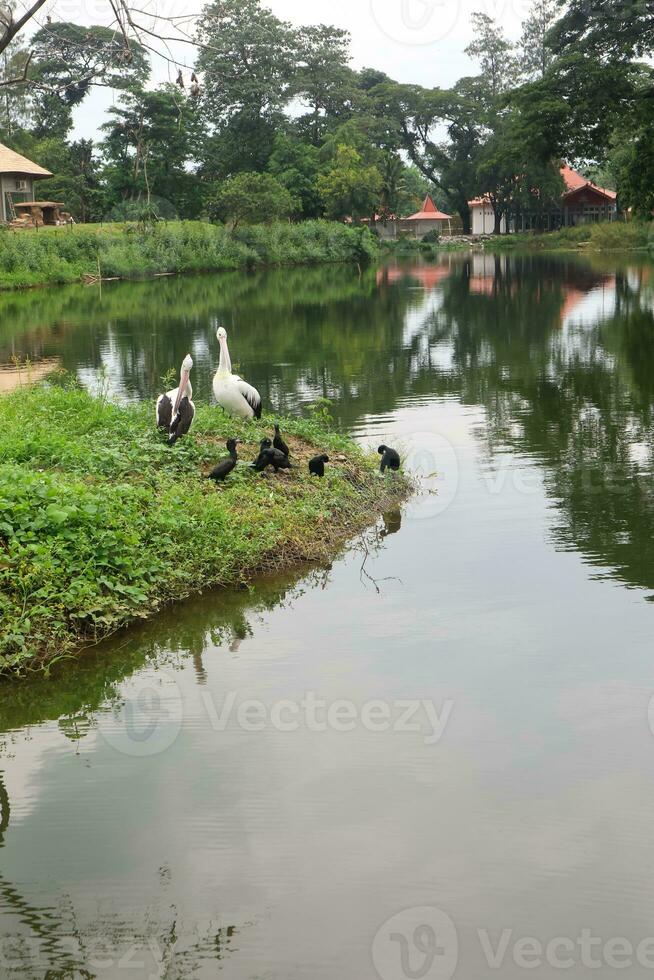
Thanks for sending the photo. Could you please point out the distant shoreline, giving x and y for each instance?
(609, 236)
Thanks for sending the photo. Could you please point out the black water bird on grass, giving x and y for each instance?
(222, 469)
(175, 411)
(317, 464)
(272, 457)
(279, 443)
(258, 463)
(390, 459)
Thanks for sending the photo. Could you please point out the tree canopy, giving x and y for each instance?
(279, 109)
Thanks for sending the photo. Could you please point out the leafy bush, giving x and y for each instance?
(134, 251)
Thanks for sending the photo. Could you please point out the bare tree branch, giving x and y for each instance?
(19, 79)
(14, 27)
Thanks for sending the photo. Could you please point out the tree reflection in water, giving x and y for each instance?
(39, 939)
(559, 351)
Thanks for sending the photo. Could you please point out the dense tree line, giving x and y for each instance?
(274, 122)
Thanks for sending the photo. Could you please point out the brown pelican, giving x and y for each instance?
(175, 410)
(234, 395)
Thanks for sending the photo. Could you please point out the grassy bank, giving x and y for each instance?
(604, 236)
(621, 235)
(101, 523)
(63, 255)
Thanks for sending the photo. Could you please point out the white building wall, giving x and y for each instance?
(483, 220)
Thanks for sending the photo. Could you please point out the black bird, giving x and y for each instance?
(258, 463)
(225, 466)
(317, 465)
(272, 457)
(279, 443)
(389, 458)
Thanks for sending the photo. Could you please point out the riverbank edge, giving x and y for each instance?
(102, 524)
(634, 236)
(94, 253)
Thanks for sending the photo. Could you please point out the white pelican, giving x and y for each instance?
(175, 410)
(232, 393)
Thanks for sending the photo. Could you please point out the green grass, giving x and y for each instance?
(600, 236)
(603, 236)
(62, 255)
(101, 522)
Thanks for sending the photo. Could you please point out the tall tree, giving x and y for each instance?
(322, 77)
(247, 55)
(494, 53)
(535, 52)
(68, 59)
(148, 145)
(14, 99)
(605, 29)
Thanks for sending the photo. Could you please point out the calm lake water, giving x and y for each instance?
(446, 750)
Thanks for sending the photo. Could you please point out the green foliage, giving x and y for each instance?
(494, 53)
(148, 143)
(101, 522)
(632, 164)
(295, 165)
(69, 59)
(252, 198)
(247, 56)
(72, 57)
(58, 255)
(323, 79)
(349, 188)
(431, 238)
(536, 55)
(618, 235)
(279, 102)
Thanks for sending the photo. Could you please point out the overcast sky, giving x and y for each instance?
(411, 40)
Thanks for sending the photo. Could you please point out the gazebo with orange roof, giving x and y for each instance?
(429, 218)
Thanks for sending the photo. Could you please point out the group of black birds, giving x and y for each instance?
(272, 452)
(275, 452)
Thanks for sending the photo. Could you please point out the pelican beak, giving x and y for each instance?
(181, 391)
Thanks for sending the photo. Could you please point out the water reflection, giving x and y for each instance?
(559, 352)
(262, 848)
(60, 933)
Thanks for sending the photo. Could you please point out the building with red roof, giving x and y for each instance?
(582, 202)
(428, 218)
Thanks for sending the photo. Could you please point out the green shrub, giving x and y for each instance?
(136, 251)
